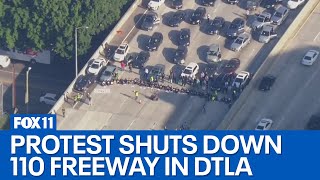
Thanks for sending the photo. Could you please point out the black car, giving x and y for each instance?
(208, 2)
(198, 15)
(156, 72)
(180, 55)
(266, 83)
(176, 18)
(236, 28)
(155, 41)
(233, 1)
(149, 21)
(215, 26)
(83, 82)
(184, 37)
(140, 60)
(270, 3)
(176, 4)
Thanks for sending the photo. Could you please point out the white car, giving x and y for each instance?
(241, 79)
(310, 57)
(190, 71)
(293, 4)
(155, 4)
(96, 66)
(4, 61)
(121, 52)
(49, 99)
(264, 124)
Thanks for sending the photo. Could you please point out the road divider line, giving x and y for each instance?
(134, 26)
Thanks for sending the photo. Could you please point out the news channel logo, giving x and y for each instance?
(33, 122)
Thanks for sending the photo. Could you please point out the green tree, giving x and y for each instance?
(50, 24)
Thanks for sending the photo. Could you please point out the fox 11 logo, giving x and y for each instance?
(33, 122)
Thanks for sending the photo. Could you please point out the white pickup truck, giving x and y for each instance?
(155, 4)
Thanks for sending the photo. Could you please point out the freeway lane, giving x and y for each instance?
(294, 97)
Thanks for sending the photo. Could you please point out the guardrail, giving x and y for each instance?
(97, 53)
(290, 33)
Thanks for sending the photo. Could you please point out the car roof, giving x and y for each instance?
(265, 14)
(265, 120)
(281, 9)
(157, 34)
(267, 28)
(110, 68)
(237, 21)
(50, 95)
(97, 61)
(312, 52)
(242, 74)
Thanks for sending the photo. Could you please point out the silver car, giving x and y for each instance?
(267, 33)
(240, 42)
(214, 54)
(108, 75)
(261, 20)
(280, 14)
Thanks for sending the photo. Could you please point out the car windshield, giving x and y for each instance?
(184, 36)
(107, 73)
(179, 53)
(95, 66)
(307, 58)
(155, 71)
(155, 40)
(120, 51)
(265, 33)
(260, 19)
(212, 53)
(216, 22)
(238, 41)
(187, 71)
(196, 14)
(277, 14)
(260, 127)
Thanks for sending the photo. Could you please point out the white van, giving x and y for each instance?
(4, 61)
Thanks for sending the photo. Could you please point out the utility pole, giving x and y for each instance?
(1, 99)
(26, 100)
(14, 106)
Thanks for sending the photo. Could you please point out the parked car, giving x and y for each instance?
(184, 37)
(190, 71)
(266, 83)
(216, 26)
(150, 20)
(180, 55)
(241, 79)
(236, 28)
(108, 75)
(270, 3)
(156, 72)
(264, 124)
(310, 57)
(49, 99)
(96, 66)
(155, 41)
(155, 4)
(198, 15)
(231, 66)
(280, 14)
(176, 18)
(83, 82)
(233, 1)
(121, 52)
(214, 54)
(241, 41)
(267, 33)
(294, 4)
(4, 61)
(261, 20)
(177, 4)
(141, 59)
(208, 2)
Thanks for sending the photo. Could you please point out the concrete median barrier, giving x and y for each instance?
(290, 33)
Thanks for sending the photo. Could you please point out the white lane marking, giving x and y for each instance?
(134, 26)
(218, 37)
(316, 36)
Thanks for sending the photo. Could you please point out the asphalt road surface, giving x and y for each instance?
(294, 98)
